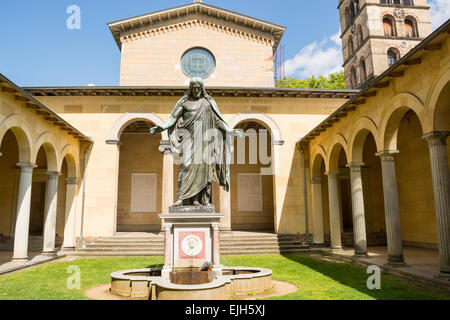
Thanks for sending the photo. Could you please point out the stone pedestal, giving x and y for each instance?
(191, 238)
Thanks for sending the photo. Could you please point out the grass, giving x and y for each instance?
(316, 279)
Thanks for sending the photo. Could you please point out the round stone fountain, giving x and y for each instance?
(191, 239)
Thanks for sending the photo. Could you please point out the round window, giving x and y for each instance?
(198, 62)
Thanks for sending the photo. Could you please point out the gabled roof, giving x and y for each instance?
(117, 27)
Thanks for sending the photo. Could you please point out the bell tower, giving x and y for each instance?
(377, 33)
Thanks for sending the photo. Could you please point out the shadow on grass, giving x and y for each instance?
(356, 277)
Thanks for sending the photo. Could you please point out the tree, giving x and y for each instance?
(333, 81)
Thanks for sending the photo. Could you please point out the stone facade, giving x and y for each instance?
(364, 42)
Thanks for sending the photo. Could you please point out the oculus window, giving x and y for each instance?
(198, 62)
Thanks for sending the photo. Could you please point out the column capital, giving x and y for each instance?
(53, 173)
(316, 180)
(167, 226)
(26, 165)
(215, 225)
(72, 180)
(164, 147)
(436, 135)
(355, 165)
(387, 155)
(332, 173)
(114, 142)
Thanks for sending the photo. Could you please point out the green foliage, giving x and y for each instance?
(333, 81)
(315, 278)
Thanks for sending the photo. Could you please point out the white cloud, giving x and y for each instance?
(317, 58)
(440, 12)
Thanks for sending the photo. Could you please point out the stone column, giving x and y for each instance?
(441, 188)
(69, 228)
(225, 209)
(216, 244)
(316, 186)
(359, 218)
(51, 197)
(23, 212)
(167, 179)
(335, 214)
(168, 249)
(391, 207)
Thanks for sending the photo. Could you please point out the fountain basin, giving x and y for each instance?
(234, 281)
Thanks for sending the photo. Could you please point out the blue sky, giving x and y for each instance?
(38, 49)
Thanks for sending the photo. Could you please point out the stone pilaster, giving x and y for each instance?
(225, 209)
(51, 198)
(167, 179)
(23, 212)
(441, 188)
(335, 215)
(168, 248)
(359, 218)
(316, 186)
(391, 207)
(69, 227)
(216, 244)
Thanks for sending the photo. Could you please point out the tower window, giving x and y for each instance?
(351, 48)
(392, 56)
(410, 27)
(404, 2)
(353, 78)
(362, 68)
(360, 36)
(388, 26)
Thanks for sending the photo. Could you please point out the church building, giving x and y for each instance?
(343, 167)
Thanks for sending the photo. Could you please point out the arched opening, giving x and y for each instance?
(362, 70)
(411, 27)
(252, 200)
(373, 191)
(320, 186)
(347, 17)
(389, 26)
(61, 203)
(392, 55)
(38, 190)
(353, 78)
(350, 45)
(360, 36)
(414, 182)
(9, 183)
(140, 179)
(338, 162)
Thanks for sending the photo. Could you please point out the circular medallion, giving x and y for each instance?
(399, 13)
(191, 245)
(198, 62)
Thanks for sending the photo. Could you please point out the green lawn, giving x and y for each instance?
(315, 278)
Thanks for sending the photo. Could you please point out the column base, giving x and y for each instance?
(336, 248)
(19, 260)
(49, 254)
(360, 255)
(396, 264)
(443, 276)
(68, 249)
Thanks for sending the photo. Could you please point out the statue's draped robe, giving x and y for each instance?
(198, 171)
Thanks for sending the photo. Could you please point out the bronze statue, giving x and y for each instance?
(198, 132)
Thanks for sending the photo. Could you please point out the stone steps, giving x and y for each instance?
(234, 243)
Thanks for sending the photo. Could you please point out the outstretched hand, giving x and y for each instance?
(156, 129)
(238, 133)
